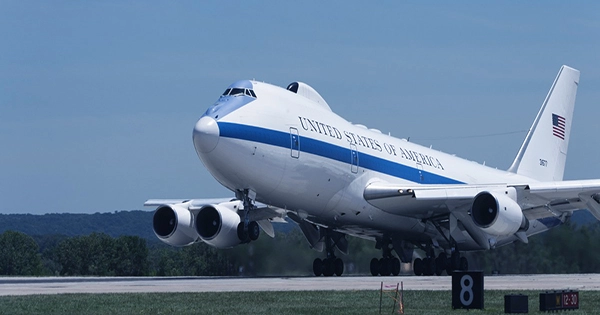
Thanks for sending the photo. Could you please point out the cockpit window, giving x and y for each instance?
(238, 91)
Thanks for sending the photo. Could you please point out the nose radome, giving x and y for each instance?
(206, 134)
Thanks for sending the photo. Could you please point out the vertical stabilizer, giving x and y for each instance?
(544, 151)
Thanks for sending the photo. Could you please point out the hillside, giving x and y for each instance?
(115, 224)
(136, 223)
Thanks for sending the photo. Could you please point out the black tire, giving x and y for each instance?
(453, 263)
(374, 266)
(395, 266)
(440, 264)
(318, 267)
(418, 267)
(428, 266)
(328, 267)
(242, 235)
(464, 264)
(253, 230)
(339, 266)
(385, 267)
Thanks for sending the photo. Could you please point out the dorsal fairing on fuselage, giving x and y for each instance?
(307, 91)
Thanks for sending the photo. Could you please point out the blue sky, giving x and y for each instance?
(98, 98)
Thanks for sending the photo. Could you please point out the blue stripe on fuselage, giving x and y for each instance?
(331, 151)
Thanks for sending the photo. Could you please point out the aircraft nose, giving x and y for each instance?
(206, 135)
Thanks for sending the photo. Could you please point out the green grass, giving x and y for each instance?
(302, 302)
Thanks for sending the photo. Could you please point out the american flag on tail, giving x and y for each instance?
(558, 126)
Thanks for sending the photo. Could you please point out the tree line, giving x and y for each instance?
(117, 223)
(566, 249)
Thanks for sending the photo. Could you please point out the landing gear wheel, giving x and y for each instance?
(374, 267)
(454, 263)
(242, 235)
(338, 266)
(253, 230)
(328, 267)
(428, 266)
(395, 266)
(318, 266)
(418, 266)
(385, 267)
(440, 264)
(464, 264)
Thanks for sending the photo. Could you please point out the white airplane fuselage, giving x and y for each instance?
(298, 155)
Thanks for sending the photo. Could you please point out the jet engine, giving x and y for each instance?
(498, 214)
(217, 224)
(173, 224)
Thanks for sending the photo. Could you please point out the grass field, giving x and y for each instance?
(302, 302)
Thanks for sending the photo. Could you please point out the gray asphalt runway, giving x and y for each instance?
(59, 285)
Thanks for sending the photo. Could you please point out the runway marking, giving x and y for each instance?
(60, 285)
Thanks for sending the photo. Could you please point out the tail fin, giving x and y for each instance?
(544, 151)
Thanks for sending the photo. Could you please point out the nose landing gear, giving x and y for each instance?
(247, 230)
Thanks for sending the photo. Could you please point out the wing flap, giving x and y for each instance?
(262, 211)
(561, 197)
(196, 204)
(160, 202)
(423, 201)
(564, 189)
(538, 199)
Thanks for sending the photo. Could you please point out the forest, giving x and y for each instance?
(570, 248)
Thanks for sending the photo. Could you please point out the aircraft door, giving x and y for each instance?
(420, 170)
(294, 142)
(353, 158)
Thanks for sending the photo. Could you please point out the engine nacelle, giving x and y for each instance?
(497, 214)
(173, 224)
(217, 224)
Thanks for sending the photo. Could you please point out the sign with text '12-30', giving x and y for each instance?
(559, 300)
(467, 289)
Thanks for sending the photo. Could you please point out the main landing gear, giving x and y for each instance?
(330, 265)
(386, 265)
(247, 230)
(430, 265)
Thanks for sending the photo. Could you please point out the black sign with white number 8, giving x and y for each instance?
(467, 289)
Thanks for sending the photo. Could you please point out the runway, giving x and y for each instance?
(61, 285)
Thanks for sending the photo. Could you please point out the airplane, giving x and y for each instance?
(285, 154)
